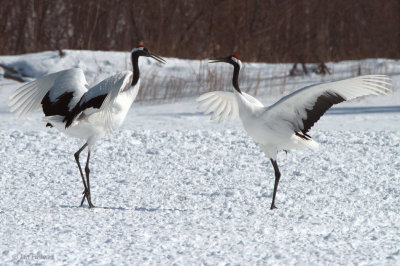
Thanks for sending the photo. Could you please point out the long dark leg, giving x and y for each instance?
(277, 177)
(87, 172)
(80, 168)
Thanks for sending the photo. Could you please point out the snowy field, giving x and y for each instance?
(173, 187)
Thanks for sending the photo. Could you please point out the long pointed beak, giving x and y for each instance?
(158, 59)
(218, 60)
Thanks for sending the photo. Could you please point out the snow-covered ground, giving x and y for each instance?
(173, 187)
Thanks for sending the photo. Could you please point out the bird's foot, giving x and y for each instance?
(273, 206)
(91, 204)
(86, 194)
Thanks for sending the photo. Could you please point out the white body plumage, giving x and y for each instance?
(91, 123)
(275, 127)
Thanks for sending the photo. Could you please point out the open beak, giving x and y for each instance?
(158, 59)
(218, 60)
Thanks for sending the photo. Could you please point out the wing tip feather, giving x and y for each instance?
(220, 103)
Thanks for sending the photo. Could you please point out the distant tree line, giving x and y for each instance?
(258, 30)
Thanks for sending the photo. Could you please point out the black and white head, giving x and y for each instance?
(140, 50)
(237, 65)
(232, 59)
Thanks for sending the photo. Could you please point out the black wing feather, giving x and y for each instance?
(323, 103)
(59, 106)
(95, 102)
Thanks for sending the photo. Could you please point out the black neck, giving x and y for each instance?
(135, 65)
(235, 78)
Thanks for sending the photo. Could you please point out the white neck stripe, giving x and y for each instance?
(137, 49)
(237, 61)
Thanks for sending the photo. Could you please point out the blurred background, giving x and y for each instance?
(258, 30)
(284, 44)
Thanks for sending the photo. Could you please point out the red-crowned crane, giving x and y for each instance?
(285, 124)
(80, 111)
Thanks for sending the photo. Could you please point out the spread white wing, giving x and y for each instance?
(122, 81)
(304, 107)
(223, 104)
(101, 98)
(27, 98)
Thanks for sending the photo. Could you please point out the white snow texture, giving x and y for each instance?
(173, 187)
